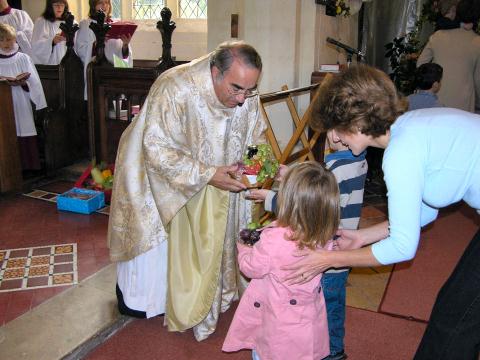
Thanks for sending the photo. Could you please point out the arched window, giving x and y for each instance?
(150, 9)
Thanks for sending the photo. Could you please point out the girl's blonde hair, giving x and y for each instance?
(92, 10)
(309, 203)
(7, 32)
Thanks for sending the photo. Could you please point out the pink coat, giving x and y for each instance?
(279, 321)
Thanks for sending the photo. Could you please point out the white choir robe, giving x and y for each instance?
(43, 50)
(23, 25)
(84, 45)
(11, 67)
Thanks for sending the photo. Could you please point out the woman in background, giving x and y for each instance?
(48, 41)
(85, 42)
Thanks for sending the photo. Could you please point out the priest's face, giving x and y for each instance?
(236, 84)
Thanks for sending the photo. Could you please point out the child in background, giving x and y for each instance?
(350, 172)
(279, 321)
(428, 79)
(48, 43)
(29, 88)
(85, 41)
(21, 22)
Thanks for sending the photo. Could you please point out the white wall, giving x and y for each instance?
(290, 36)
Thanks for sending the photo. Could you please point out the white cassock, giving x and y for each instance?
(11, 67)
(84, 47)
(43, 50)
(23, 25)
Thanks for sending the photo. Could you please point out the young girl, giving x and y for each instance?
(279, 321)
(21, 22)
(48, 43)
(29, 88)
(85, 41)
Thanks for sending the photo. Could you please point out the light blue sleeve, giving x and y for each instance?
(403, 167)
(428, 214)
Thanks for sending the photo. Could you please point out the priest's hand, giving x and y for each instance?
(224, 180)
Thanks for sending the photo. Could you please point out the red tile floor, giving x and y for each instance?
(27, 222)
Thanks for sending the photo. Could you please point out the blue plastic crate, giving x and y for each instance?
(83, 201)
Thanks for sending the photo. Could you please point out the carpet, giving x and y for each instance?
(38, 267)
(369, 335)
(413, 285)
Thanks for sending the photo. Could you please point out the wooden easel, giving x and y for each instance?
(287, 156)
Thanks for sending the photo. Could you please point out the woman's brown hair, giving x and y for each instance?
(362, 97)
(309, 203)
(92, 11)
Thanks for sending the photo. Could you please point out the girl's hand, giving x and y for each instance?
(349, 239)
(257, 195)
(125, 39)
(58, 38)
(310, 265)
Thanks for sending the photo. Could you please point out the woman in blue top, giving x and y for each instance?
(431, 160)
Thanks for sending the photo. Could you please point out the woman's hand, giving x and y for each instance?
(58, 38)
(310, 265)
(349, 239)
(126, 39)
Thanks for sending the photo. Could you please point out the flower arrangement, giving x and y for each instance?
(260, 163)
(341, 8)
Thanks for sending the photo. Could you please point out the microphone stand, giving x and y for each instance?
(349, 50)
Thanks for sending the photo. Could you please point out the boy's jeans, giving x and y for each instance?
(333, 285)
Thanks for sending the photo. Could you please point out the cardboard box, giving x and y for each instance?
(83, 201)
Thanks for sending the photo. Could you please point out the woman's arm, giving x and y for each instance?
(313, 263)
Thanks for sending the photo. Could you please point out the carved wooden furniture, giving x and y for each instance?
(115, 94)
(10, 166)
(62, 127)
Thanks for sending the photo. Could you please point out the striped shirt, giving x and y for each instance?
(350, 172)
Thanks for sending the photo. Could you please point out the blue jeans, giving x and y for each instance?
(453, 331)
(333, 285)
(255, 355)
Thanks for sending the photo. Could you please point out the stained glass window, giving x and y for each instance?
(116, 9)
(147, 9)
(193, 9)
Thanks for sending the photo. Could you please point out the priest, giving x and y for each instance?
(176, 206)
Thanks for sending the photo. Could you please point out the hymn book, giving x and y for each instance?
(119, 28)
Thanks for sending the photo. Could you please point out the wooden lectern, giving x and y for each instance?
(10, 166)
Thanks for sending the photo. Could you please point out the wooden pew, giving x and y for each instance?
(63, 127)
(115, 94)
(10, 166)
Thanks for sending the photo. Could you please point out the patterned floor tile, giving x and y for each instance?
(38, 267)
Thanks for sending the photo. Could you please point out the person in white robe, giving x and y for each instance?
(21, 22)
(177, 207)
(49, 44)
(85, 40)
(12, 64)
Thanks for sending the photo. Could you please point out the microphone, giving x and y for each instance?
(347, 48)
